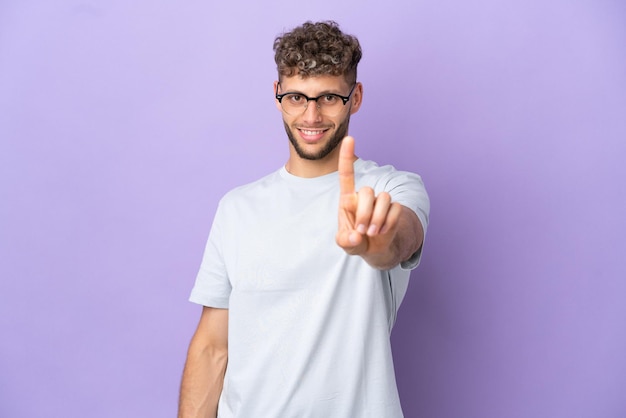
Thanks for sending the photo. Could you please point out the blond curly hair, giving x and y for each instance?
(314, 49)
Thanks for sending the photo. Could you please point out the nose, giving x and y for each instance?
(312, 112)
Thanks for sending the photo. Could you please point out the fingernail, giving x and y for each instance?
(360, 228)
(372, 230)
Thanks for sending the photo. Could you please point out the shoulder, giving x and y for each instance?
(405, 187)
(251, 191)
(385, 177)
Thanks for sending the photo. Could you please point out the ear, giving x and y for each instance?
(357, 98)
(276, 102)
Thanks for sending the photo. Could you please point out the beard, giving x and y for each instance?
(340, 133)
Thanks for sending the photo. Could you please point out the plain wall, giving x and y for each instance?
(123, 123)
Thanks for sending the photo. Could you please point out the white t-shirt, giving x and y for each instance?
(309, 325)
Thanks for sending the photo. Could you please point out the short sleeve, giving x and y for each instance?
(212, 287)
(408, 189)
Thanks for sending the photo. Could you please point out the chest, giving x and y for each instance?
(286, 243)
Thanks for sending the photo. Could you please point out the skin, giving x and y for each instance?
(382, 232)
(331, 130)
(203, 376)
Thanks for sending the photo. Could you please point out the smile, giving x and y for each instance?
(312, 136)
(309, 132)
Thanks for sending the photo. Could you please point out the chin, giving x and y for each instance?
(322, 148)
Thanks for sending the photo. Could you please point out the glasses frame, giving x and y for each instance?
(344, 99)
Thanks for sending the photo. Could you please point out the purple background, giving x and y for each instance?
(123, 123)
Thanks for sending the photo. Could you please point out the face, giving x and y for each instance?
(313, 135)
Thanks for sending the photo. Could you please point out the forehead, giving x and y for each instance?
(313, 85)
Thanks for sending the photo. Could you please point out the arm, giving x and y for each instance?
(382, 232)
(203, 376)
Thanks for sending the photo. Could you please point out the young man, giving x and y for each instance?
(305, 269)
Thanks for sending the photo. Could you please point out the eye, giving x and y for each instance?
(329, 99)
(294, 98)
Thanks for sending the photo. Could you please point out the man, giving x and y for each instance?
(299, 301)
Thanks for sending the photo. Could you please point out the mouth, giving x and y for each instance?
(311, 135)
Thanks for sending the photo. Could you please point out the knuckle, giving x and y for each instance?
(384, 196)
(366, 192)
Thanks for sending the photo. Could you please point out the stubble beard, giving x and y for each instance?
(340, 133)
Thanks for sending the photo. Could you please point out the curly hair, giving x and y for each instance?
(314, 49)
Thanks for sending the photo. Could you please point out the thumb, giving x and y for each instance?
(351, 241)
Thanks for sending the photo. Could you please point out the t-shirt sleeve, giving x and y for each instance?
(212, 287)
(408, 189)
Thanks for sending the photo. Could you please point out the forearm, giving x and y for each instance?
(203, 378)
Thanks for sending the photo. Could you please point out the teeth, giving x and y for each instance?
(311, 132)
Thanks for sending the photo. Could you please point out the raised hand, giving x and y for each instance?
(367, 223)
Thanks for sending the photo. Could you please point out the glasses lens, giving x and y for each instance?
(330, 105)
(293, 104)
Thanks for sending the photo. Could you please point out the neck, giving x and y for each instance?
(302, 167)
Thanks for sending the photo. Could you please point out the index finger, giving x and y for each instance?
(346, 166)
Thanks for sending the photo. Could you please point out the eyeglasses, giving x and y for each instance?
(328, 104)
